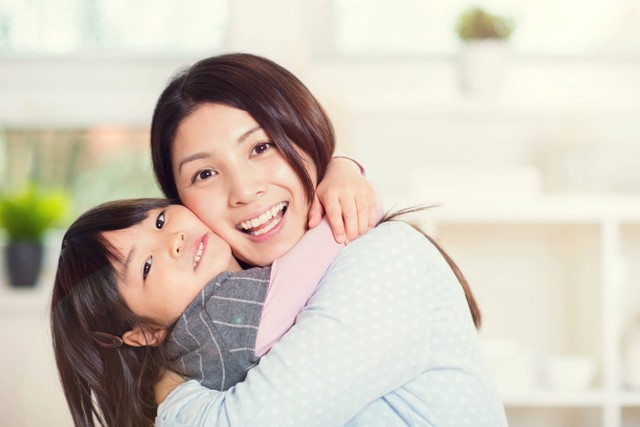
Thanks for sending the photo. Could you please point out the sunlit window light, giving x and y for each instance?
(112, 26)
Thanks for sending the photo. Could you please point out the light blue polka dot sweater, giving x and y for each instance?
(387, 340)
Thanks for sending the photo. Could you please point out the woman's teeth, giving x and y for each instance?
(265, 222)
(198, 254)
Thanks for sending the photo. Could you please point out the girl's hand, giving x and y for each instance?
(167, 383)
(347, 198)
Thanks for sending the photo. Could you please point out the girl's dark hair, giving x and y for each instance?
(471, 301)
(110, 386)
(274, 97)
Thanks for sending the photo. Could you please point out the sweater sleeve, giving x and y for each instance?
(294, 278)
(364, 333)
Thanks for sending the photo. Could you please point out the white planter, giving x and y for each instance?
(482, 67)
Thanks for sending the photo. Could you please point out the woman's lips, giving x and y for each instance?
(265, 222)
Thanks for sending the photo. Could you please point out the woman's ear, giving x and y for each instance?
(143, 336)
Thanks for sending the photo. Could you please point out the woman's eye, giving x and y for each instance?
(261, 148)
(203, 175)
(160, 220)
(147, 268)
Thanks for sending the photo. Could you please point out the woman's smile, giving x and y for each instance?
(265, 222)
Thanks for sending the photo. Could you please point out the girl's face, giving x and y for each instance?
(230, 174)
(166, 261)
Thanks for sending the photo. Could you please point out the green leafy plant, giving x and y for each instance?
(478, 24)
(26, 215)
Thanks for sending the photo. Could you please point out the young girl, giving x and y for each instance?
(134, 274)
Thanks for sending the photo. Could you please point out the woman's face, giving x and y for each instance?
(167, 259)
(234, 178)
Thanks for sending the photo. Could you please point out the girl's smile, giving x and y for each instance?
(199, 250)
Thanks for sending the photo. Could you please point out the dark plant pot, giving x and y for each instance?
(24, 263)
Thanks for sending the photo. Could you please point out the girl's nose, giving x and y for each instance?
(177, 243)
(244, 187)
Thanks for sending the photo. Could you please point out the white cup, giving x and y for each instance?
(569, 371)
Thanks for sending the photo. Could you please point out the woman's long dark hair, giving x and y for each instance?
(273, 96)
(112, 386)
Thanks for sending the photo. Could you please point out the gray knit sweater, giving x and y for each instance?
(214, 340)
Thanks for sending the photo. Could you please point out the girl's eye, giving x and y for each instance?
(160, 220)
(147, 268)
(203, 175)
(261, 148)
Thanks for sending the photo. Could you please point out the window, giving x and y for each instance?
(416, 27)
(112, 26)
(95, 165)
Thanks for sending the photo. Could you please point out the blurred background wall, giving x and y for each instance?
(535, 165)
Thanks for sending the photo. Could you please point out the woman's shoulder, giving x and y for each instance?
(397, 235)
(390, 257)
(391, 243)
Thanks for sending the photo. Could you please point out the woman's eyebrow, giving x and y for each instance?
(248, 133)
(191, 158)
(204, 155)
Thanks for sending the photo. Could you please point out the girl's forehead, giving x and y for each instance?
(122, 245)
(120, 242)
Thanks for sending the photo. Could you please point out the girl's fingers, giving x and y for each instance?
(315, 212)
(373, 209)
(350, 217)
(364, 213)
(333, 212)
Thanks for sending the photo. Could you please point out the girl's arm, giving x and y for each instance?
(364, 333)
(347, 199)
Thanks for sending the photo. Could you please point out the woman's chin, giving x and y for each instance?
(262, 252)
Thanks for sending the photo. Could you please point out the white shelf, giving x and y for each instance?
(539, 209)
(551, 398)
(553, 273)
(429, 105)
(630, 399)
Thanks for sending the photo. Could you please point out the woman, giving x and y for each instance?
(388, 338)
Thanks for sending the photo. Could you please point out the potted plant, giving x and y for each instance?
(484, 53)
(26, 216)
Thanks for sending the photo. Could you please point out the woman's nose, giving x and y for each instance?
(177, 243)
(245, 187)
